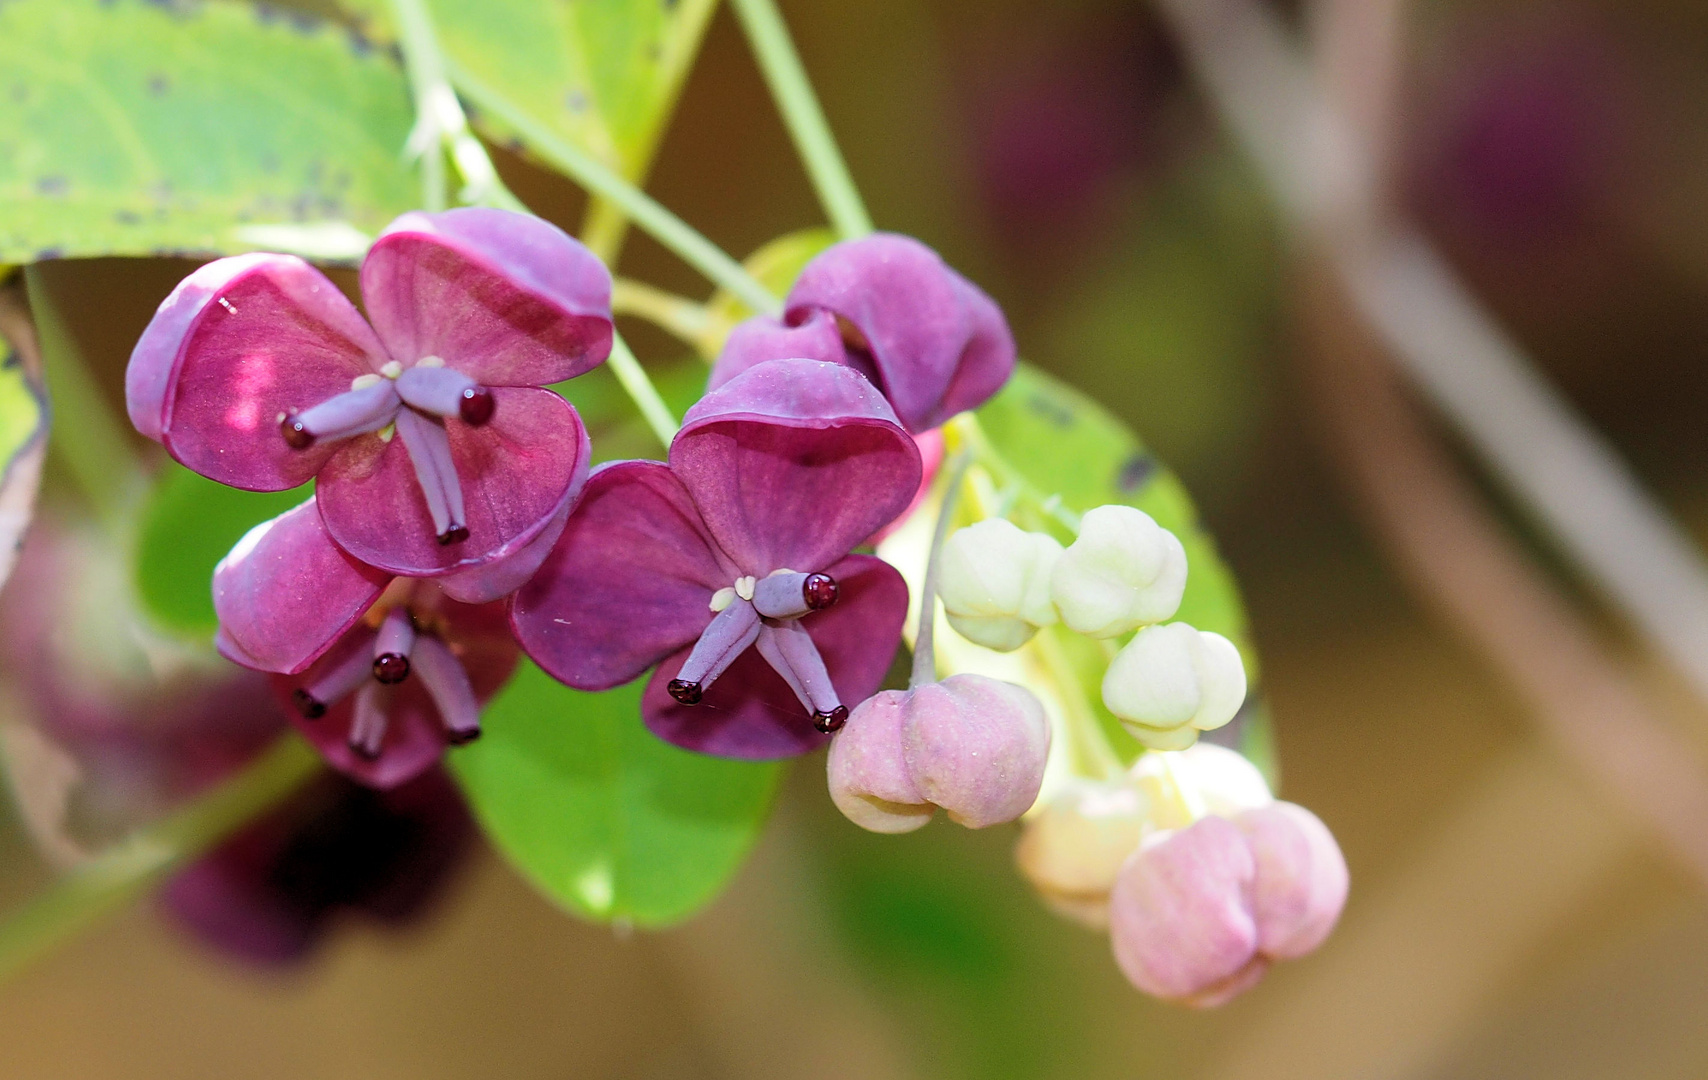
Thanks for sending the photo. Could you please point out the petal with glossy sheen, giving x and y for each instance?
(761, 338)
(507, 299)
(751, 713)
(514, 472)
(627, 583)
(502, 577)
(939, 344)
(239, 342)
(286, 592)
(794, 462)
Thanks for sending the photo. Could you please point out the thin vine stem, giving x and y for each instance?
(689, 321)
(924, 652)
(653, 410)
(111, 879)
(768, 36)
(600, 179)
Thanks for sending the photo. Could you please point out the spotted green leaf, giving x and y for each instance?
(133, 128)
(607, 820)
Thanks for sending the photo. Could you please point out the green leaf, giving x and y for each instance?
(135, 128)
(188, 524)
(1064, 443)
(604, 818)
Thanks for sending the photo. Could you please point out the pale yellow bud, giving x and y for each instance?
(1123, 572)
(995, 583)
(1171, 682)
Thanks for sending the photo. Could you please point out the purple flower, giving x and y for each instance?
(728, 568)
(382, 673)
(889, 307)
(274, 890)
(434, 449)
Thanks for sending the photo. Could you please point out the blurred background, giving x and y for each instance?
(1508, 917)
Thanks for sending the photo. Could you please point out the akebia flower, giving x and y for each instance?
(889, 307)
(381, 673)
(729, 568)
(433, 446)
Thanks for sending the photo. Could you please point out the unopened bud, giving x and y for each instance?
(1197, 916)
(1171, 682)
(973, 745)
(1073, 847)
(995, 583)
(1123, 572)
(1220, 781)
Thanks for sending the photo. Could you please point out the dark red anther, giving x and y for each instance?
(462, 738)
(476, 406)
(833, 720)
(819, 591)
(297, 436)
(307, 705)
(688, 693)
(456, 534)
(391, 667)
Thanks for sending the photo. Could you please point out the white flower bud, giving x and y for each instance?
(1171, 682)
(1073, 848)
(995, 583)
(1123, 572)
(1222, 780)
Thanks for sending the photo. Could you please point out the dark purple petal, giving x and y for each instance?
(815, 337)
(794, 462)
(501, 577)
(751, 713)
(239, 343)
(628, 582)
(286, 592)
(938, 344)
(514, 474)
(507, 299)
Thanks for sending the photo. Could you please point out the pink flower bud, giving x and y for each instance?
(973, 745)
(1197, 916)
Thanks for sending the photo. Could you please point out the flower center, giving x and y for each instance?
(394, 653)
(766, 612)
(414, 403)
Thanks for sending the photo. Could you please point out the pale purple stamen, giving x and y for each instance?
(436, 390)
(367, 729)
(354, 412)
(448, 685)
(430, 452)
(314, 699)
(392, 646)
(789, 595)
(731, 631)
(788, 648)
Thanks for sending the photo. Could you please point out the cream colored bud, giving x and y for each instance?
(995, 583)
(1073, 848)
(1170, 682)
(1123, 572)
(1216, 779)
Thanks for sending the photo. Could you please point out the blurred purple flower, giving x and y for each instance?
(889, 307)
(728, 568)
(382, 673)
(258, 373)
(272, 892)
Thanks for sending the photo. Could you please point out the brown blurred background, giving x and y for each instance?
(1506, 920)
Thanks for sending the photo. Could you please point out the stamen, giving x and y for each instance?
(448, 685)
(744, 587)
(312, 700)
(788, 648)
(430, 452)
(392, 646)
(789, 595)
(354, 412)
(721, 599)
(367, 730)
(731, 631)
(447, 393)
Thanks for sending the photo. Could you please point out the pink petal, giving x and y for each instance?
(502, 577)
(286, 592)
(628, 583)
(750, 712)
(515, 473)
(794, 462)
(238, 343)
(939, 344)
(815, 337)
(1301, 878)
(505, 298)
(867, 769)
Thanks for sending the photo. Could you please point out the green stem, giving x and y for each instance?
(600, 179)
(629, 372)
(85, 435)
(686, 320)
(787, 78)
(111, 879)
(924, 652)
